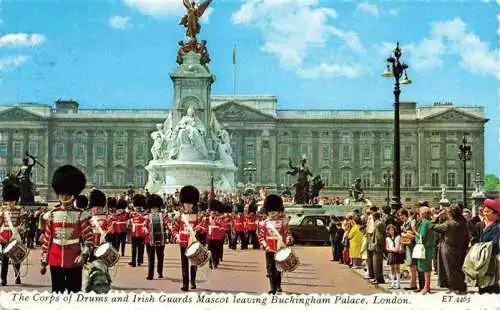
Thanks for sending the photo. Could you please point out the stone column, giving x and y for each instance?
(377, 159)
(90, 155)
(10, 151)
(421, 158)
(315, 153)
(257, 146)
(108, 178)
(295, 151)
(274, 158)
(69, 146)
(129, 170)
(356, 155)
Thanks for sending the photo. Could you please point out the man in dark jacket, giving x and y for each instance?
(332, 230)
(376, 247)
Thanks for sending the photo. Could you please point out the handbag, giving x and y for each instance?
(419, 249)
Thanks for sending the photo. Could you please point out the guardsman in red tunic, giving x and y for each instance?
(65, 228)
(120, 226)
(268, 238)
(138, 231)
(216, 231)
(111, 205)
(239, 230)
(229, 228)
(156, 225)
(251, 226)
(184, 229)
(10, 223)
(99, 212)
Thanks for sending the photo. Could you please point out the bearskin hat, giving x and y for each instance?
(68, 179)
(121, 204)
(273, 202)
(154, 201)
(82, 202)
(139, 200)
(216, 205)
(97, 199)
(111, 203)
(10, 189)
(189, 194)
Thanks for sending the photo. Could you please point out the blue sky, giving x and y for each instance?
(309, 53)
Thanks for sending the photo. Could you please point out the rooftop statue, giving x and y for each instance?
(191, 18)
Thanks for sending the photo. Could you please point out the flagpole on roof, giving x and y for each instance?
(234, 70)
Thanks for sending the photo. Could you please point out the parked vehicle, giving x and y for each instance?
(310, 229)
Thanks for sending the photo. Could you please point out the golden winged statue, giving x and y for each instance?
(192, 16)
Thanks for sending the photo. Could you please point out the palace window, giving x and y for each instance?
(451, 150)
(284, 151)
(435, 151)
(469, 180)
(250, 152)
(435, 179)
(59, 150)
(34, 173)
(33, 148)
(346, 178)
(304, 151)
(407, 152)
(18, 149)
(120, 151)
(284, 178)
(408, 179)
(3, 149)
(346, 152)
(120, 177)
(99, 177)
(366, 179)
(325, 176)
(100, 150)
(79, 150)
(451, 180)
(366, 152)
(140, 151)
(139, 177)
(325, 152)
(387, 152)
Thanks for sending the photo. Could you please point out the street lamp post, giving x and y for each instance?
(465, 154)
(395, 69)
(387, 181)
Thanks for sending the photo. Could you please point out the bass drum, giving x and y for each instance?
(287, 260)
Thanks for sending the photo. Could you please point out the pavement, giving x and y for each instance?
(241, 271)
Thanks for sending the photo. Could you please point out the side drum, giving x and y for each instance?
(16, 251)
(198, 254)
(108, 254)
(287, 260)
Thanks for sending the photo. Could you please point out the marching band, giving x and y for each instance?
(88, 235)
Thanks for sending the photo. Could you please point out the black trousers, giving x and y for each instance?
(252, 239)
(159, 251)
(137, 250)
(122, 240)
(30, 238)
(272, 272)
(228, 238)
(5, 269)
(216, 247)
(375, 265)
(241, 236)
(63, 279)
(185, 270)
(339, 248)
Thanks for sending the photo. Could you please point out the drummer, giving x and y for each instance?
(155, 225)
(65, 226)
(97, 203)
(216, 230)
(188, 197)
(10, 219)
(273, 204)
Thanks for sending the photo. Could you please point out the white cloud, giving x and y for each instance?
(294, 30)
(21, 40)
(12, 62)
(368, 8)
(330, 70)
(119, 22)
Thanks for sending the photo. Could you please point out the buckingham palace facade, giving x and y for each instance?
(112, 145)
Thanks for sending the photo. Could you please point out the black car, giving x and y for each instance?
(310, 229)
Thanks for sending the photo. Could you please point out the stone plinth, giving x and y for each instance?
(167, 176)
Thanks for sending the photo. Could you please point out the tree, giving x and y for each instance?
(491, 183)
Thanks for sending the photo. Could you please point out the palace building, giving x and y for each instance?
(112, 145)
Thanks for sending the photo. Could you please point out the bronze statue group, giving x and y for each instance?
(83, 238)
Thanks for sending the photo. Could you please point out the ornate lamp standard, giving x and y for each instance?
(395, 69)
(465, 154)
(387, 180)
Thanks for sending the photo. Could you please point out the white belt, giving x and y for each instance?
(120, 222)
(65, 242)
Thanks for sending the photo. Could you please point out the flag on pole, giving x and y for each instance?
(234, 55)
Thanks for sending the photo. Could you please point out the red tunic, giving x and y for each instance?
(180, 230)
(216, 228)
(229, 223)
(148, 228)
(250, 221)
(239, 223)
(138, 225)
(120, 221)
(15, 217)
(99, 223)
(64, 229)
(269, 238)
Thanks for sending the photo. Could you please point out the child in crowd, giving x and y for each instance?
(394, 255)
